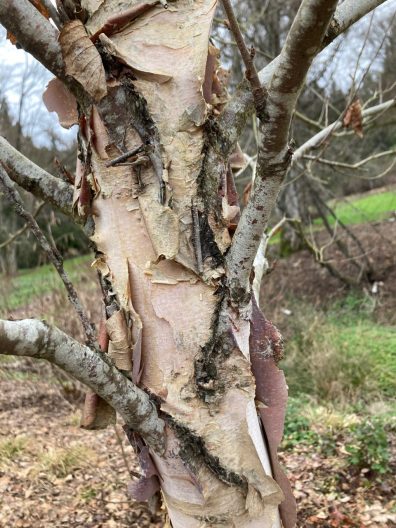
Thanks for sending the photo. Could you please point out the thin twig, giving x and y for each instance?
(13, 197)
(258, 91)
(124, 456)
(125, 156)
(22, 229)
(356, 165)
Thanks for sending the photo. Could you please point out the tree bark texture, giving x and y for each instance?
(160, 223)
(154, 191)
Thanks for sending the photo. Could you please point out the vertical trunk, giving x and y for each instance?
(292, 205)
(160, 227)
(10, 251)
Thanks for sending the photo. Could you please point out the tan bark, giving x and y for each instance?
(212, 473)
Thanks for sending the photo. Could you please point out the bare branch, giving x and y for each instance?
(347, 14)
(235, 115)
(36, 339)
(36, 180)
(259, 92)
(53, 13)
(13, 197)
(352, 166)
(302, 44)
(34, 32)
(22, 230)
(307, 120)
(321, 137)
(260, 261)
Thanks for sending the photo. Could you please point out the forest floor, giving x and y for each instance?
(55, 474)
(340, 438)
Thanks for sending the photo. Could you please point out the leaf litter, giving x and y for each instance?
(35, 419)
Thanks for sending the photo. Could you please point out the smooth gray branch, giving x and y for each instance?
(36, 180)
(321, 137)
(33, 338)
(302, 44)
(235, 115)
(34, 33)
(347, 13)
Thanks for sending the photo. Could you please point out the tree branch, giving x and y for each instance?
(352, 166)
(302, 45)
(39, 37)
(53, 13)
(34, 33)
(318, 139)
(14, 198)
(36, 180)
(22, 230)
(258, 92)
(237, 111)
(36, 339)
(347, 14)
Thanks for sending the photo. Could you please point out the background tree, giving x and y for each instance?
(189, 352)
(21, 119)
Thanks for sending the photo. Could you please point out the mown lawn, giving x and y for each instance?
(371, 208)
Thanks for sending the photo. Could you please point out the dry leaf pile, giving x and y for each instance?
(40, 486)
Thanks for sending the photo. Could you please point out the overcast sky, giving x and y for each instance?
(37, 121)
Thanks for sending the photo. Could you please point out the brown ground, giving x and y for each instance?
(63, 476)
(58, 475)
(44, 484)
(300, 278)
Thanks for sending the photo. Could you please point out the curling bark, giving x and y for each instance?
(180, 316)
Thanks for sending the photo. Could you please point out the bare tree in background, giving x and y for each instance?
(191, 360)
(362, 160)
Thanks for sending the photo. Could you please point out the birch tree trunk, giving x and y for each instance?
(160, 230)
(193, 354)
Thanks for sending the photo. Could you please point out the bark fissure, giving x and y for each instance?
(192, 447)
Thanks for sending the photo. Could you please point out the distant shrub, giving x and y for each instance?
(368, 446)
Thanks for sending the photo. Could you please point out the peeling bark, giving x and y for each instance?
(162, 243)
(173, 254)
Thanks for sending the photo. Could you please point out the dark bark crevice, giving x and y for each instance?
(193, 449)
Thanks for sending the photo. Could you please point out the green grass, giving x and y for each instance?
(11, 448)
(369, 352)
(341, 355)
(62, 462)
(20, 290)
(371, 208)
